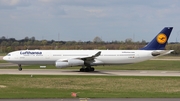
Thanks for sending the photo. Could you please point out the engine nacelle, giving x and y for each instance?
(68, 63)
(61, 64)
(96, 62)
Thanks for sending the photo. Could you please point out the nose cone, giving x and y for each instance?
(5, 58)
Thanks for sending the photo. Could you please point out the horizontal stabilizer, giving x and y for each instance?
(161, 52)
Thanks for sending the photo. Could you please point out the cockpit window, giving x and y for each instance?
(8, 54)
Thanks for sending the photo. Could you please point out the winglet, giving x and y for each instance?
(160, 41)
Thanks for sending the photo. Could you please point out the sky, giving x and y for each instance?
(83, 20)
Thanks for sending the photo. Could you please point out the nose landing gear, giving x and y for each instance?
(20, 68)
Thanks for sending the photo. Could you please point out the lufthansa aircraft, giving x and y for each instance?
(89, 58)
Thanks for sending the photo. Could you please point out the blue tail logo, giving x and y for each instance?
(160, 41)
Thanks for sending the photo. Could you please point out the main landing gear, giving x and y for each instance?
(87, 69)
(20, 68)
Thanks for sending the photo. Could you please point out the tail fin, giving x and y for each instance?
(160, 41)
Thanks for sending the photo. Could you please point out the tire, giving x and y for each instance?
(92, 69)
(87, 69)
(82, 69)
(20, 69)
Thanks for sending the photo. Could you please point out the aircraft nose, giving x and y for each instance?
(5, 58)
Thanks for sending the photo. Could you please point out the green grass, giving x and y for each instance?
(24, 86)
(146, 65)
(2, 61)
(169, 57)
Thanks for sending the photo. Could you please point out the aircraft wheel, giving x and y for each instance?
(87, 70)
(20, 69)
(82, 70)
(92, 69)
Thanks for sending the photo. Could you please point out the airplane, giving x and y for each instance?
(89, 58)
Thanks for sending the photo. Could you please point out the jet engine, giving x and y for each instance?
(68, 63)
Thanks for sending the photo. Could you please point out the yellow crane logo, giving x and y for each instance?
(161, 38)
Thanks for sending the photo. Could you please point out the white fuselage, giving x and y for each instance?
(107, 57)
(88, 58)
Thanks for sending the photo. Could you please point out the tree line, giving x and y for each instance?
(11, 44)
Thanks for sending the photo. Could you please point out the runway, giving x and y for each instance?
(76, 72)
(98, 99)
(98, 72)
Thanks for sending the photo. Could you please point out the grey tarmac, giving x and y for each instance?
(98, 99)
(98, 72)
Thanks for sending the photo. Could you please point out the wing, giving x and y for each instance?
(91, 57)
(88, 60)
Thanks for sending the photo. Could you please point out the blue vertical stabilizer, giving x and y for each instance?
(160, 41)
